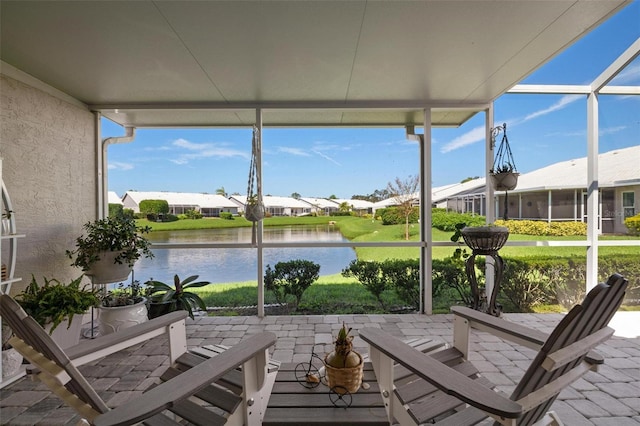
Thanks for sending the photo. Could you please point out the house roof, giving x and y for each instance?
(357, 204)
(271, 201)
(183, 199)
(305, 63)
(618, 167)
(323, 203)
(113, 198)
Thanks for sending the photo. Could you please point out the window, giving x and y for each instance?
(628, 204)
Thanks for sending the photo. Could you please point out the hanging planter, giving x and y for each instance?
(503, 173)
(254, 210)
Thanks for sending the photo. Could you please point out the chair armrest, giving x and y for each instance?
(90, 350)
(439, 375)
(514, 332)
(508, 330)
(186, 384)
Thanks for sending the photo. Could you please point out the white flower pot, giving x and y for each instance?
(111, 320)
(64, 335)
(504, 181)
(106, 270)
(11, 362)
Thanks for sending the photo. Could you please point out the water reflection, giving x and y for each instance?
(230, 265)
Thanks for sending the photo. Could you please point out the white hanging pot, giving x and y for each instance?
(106, 270)
(254, 212)
(504, 181)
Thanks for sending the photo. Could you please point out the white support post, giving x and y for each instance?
(489, 194)
(426, 183)
(592, 191)
(549, 202)
(259, 237)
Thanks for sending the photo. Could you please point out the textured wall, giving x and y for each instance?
(49, 169)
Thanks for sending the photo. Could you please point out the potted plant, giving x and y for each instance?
(164, 298)
(55, 303)
(110, 248)
(503, 173)
(11, 358)
(121, 307)
(253, 209)
(485, 239)
(6, 221)
(344, 366)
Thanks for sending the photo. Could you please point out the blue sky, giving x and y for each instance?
(318, 162)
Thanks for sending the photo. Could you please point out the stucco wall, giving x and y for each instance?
(49, 163)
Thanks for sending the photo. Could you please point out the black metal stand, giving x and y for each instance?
(480, 302)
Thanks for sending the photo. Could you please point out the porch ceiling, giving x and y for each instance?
(176, 63)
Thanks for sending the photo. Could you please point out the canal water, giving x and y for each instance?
(222, 265)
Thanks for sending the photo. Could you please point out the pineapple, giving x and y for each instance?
(343, 355)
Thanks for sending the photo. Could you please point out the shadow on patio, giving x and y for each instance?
(609, 397)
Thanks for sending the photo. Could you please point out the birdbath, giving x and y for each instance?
(485, 241)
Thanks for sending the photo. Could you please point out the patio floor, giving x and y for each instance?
(609, 397)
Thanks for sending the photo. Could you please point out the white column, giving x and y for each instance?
(260, 248)
(426, 250)
(592, 190)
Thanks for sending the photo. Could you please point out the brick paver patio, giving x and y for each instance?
(609, 397)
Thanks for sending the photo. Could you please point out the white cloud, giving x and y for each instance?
(116, 165)
(563, 102)
(326, 157)
(472, 136)
(629, 75)
(294, 151)
(197, 151)
(478, 134)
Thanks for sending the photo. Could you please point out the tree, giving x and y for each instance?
(332, 197)
(344, 207)
(295, 195)
(404, 193)
(221, 191)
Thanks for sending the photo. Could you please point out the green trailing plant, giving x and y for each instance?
(116, 233)
(179, 294)
(123, 295)
(55, 302)
(290, 278)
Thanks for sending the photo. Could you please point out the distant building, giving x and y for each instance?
(322, 206)
(559, 192)
(210, 205)
(113, 198)
(276, 206)
(357, 206)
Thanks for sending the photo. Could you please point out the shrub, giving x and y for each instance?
(193, 214)
(525, 285)
(543, 228)
(369, 274)
(393, 216)
(128, 213)
(633, 224)
(340, 214)
(226, 215)
(154, 206)
(404, 276)
(449, 274)
(115, 209)
(291, 278)
(447, 221)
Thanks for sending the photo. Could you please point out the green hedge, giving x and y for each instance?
(447, 221)
(543, 228)
(393, 216)
(527, 282)
(154, 206)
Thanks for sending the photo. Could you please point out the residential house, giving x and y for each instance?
(276, 206)
(210, 205)
(321, 206)
(359, 207)
(558, 192)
